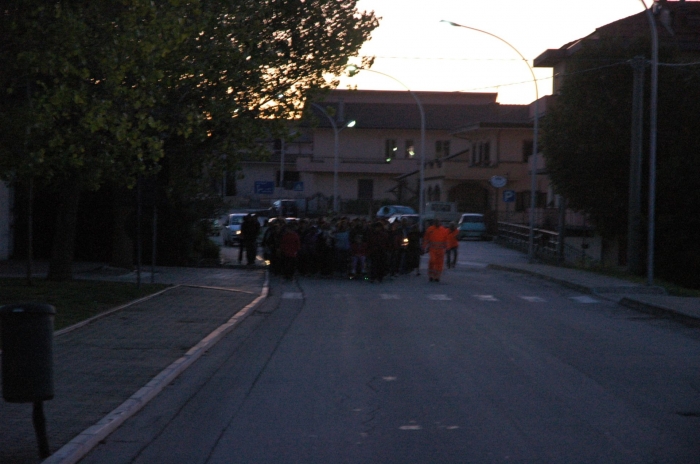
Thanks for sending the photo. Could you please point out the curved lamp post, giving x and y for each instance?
(336, 132)
(352, 70)
(653, 105)
(533, 176)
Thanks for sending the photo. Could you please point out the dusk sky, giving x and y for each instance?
(414, 47)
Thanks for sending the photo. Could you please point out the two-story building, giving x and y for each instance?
(469, 138)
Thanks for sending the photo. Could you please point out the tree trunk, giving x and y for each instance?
(62, 252)
(122, 243)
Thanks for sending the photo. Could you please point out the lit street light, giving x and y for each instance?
(336, 131)
(533, 176)
(352, 70)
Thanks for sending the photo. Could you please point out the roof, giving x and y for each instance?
(407, 116)
(677, 23)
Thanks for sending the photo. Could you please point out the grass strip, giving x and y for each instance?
(76, 300)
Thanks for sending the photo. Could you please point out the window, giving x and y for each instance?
(390, 149)
(365, 189)
(481, 154)
(528, 147)
(442, 148)
(290, 177)
(410, 149)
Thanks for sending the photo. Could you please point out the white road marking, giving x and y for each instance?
(533, 299)
(439, 297)
(472, 264)
(486, 297)
(292, 296)
(389, 296)
(410, 427)
(584, 299)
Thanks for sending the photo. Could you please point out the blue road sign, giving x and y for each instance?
(508, 196)
(264, 187)
(298, 187)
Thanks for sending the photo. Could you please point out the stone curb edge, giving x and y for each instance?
(565, 283)
(660, 310)
(646, 307)
(82, 444)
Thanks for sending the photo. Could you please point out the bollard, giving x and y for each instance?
(27, 360)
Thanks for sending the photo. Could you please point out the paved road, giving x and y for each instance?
(486, 366)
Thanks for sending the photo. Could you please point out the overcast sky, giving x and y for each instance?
(414, 47)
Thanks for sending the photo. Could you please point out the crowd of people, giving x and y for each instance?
(355, 248)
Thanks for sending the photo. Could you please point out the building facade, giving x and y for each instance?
(468, 139)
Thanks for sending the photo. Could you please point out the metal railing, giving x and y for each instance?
(547, 244)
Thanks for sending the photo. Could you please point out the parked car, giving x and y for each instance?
(471, 225)
(410, 218)
(284, 208)
(386, 212)
(231, 231)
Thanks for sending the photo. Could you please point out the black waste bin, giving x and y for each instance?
(27, 352)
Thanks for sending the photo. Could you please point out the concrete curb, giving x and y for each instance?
(621, 294)
(658, 309)
(82, 444)
(565, 283)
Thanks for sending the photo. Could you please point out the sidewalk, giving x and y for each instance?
(143, 347)
(100, 365)
(651, 300)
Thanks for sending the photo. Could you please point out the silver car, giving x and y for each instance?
(231, 231)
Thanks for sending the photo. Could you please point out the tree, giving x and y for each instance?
(586, 144)
(106, 90)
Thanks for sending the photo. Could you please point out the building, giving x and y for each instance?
(677, 25)
(469, 138)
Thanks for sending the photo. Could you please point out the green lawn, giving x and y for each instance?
(74, 301)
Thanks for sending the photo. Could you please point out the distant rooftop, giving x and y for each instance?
(677, 23)
(379, 109)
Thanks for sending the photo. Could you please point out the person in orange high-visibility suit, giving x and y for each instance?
(435, 243)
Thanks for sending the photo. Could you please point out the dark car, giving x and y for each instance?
(284, 208)
(411, 219)
(386, 212)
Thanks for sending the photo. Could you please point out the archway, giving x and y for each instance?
(470, 197)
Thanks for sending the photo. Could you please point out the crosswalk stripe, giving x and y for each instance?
(486, 297)
(389, 296)
(533, 299)
(439, 297)
(292, 296)
(584, 299)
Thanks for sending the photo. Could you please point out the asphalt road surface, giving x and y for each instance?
(485, 366)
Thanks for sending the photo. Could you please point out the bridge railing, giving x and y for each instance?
(547, 246)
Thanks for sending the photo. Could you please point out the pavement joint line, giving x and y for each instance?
(226, 289)
(81, 445)
(80, 324)
(111, 311)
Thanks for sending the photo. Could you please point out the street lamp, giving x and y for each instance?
(533, 176)
(653, 105)
(352, 70)
(336, 132)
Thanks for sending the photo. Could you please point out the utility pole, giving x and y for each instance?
(635, 246)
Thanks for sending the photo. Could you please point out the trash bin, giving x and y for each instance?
(27, 352)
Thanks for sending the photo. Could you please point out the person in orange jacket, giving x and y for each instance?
(452, 246)
(435, 243)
